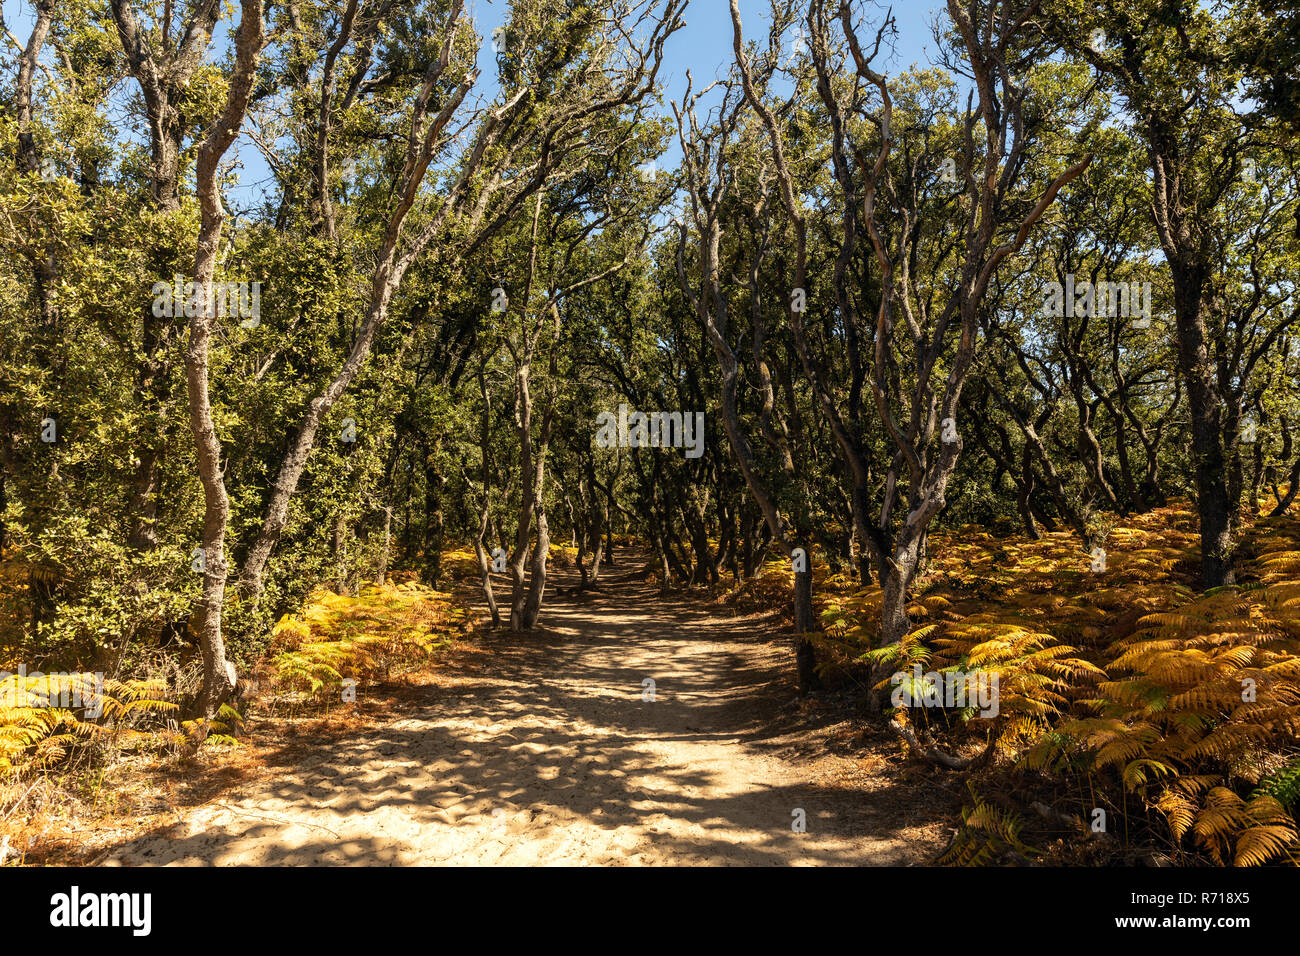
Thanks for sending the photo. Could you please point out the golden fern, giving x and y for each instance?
(37, 736)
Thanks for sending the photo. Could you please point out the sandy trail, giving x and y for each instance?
(541, 750)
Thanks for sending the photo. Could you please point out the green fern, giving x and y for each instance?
(1282, 785)
(986, 834)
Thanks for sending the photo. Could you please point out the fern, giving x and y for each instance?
(366, 638)
(1130, 678)
(1283, 786)
(986, 835)
(35, 736)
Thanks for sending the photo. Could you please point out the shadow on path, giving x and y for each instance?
(541, 749)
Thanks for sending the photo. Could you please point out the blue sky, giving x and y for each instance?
(703, 46)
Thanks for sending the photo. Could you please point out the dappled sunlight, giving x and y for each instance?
(541, 749)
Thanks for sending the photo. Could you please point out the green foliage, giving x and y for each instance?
(674, 292)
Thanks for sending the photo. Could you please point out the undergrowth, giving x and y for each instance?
(339, 643)
(63, 730)
(1125, 687)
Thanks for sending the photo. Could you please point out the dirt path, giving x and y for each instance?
(541, 750)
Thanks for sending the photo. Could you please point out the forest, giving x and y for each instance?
(652, 369)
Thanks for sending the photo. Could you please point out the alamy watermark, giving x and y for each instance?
(978, 689)
(651, 430)
(68, 691)
(1104, 298)
(181, 298)
(75, 908)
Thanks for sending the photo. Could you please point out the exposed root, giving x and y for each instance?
(929, 751)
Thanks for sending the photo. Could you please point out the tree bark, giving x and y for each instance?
(218, 671)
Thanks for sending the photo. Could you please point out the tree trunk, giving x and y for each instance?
(218, 671)
(805, 623)
(1213, 504)
(382, 576)
(537, 573)
(485, 578)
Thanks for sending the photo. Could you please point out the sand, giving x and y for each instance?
(540, 750)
